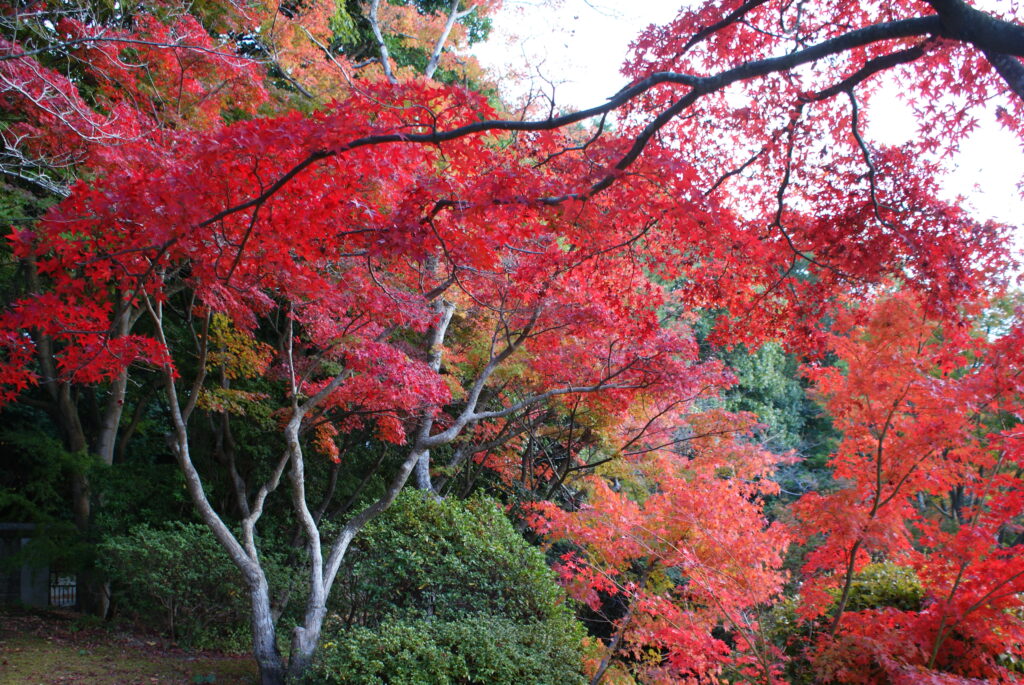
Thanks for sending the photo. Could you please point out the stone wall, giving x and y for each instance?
(21, 584)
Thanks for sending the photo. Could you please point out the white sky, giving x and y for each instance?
(580, 46)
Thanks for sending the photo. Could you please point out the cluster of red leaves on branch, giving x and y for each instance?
(350, 248)
(913, 405)
(682, 541)
(169, 70)
(160, 75)
(791, 152)
(95, 356)
(505, 224)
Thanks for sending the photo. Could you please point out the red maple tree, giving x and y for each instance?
(913, 404)
(739, 179)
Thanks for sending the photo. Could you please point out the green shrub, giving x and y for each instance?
(179, 581)
(446, 558)
(885, 584)
(447, 592)
(475, 649)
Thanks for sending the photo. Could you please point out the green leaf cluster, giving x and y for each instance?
(178, 579)
(446, 558)
(479, 648)
(885, 584)
(447, 591)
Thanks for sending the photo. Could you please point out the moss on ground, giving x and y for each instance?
(45, 648)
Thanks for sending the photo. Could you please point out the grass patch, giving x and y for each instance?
(56, 647)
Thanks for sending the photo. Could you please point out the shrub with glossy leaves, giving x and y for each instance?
(179, 581)
(474, 649)
(885, 584)
(446, 559)
(445, 592)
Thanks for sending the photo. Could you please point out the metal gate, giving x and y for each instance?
(63, 591)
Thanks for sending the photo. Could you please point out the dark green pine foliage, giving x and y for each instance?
(770, 385)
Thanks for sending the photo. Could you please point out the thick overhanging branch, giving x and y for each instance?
(699, 86)
(1002, 42)
(1011, 69)
(962, 22)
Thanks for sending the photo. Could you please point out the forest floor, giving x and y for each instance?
(42, 648)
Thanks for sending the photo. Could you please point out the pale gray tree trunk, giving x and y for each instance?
(264, 635)
(324, 564)
(445, 311)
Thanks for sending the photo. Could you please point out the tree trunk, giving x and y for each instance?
(93, 594)
(111, 420)
(304, 642)
(264, 636)
(66, 414)
(422, 473)
(445, 311)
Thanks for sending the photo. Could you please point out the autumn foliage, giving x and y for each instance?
(926, 480)
(377, 257)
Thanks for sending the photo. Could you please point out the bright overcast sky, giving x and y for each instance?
(580, 47)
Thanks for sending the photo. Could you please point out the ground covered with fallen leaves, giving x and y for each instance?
(40, 648)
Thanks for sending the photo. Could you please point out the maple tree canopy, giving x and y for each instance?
(432, 267)
(395, 178)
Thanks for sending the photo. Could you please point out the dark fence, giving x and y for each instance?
(63, 591)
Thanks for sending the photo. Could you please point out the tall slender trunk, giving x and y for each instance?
(844, 597)
(93, 589)
(445, 311)
(111, 419)
(306, 636)
(93, 593)
(76, 443)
